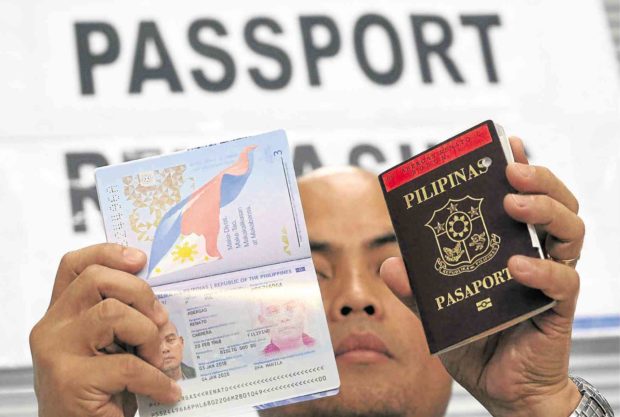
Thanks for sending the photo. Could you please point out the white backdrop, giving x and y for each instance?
(416, 73)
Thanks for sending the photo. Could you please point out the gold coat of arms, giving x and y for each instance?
(462, 237)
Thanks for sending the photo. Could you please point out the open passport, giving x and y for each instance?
(228, 254)
(446, 205)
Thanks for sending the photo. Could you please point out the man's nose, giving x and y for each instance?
(357, 293)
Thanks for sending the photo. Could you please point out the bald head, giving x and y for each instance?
(341, 178)
(169, 328)
(330, 195)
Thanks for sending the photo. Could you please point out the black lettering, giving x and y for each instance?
(312, 51)
(425, 49)
(140, 73)
(87, 59)
(360, 151)
(213, 52)
(79, 193)
(270, 51)
(406, 151)
(139, 154)
(305, 159)
(394, 72)
(483, 23)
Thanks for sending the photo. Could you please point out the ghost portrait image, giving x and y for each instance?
(285, 317)
(176, 362)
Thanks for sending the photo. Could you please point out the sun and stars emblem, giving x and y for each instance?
(461, 235)
(474, 212)
(457, 225)
(184, 252)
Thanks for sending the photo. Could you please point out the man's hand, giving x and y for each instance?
(523, 371)
(97, 304)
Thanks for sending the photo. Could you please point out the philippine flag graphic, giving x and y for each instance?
(187, 234)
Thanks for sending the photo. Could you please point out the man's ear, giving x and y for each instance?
(182, 341)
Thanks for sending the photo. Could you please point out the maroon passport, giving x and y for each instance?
(455, 237)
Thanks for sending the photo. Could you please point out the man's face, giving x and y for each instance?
(286, 318)
(171, 347)
(380, 347)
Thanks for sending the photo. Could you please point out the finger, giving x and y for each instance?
(108, 254)
(554, 218)
(112, 374)
(394, 274)
(98, 282)
(557, 281)
(111, 321)
(518, 149)
(540, 180)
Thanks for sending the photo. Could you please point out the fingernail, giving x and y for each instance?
(521, 264)
(520, 200)
(133, 255)
(525, 170)
(160, 311)
(176, 389)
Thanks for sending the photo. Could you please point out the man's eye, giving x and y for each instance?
(322, 275)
